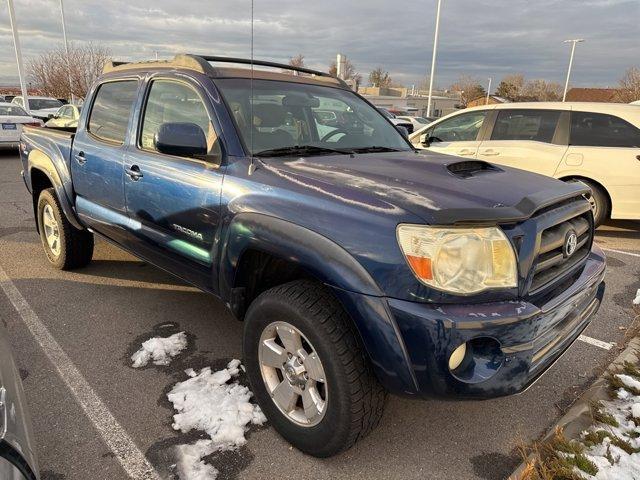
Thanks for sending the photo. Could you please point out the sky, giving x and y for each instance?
(480, 38)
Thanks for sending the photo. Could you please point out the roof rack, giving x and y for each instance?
(262, 63)
(200, 63)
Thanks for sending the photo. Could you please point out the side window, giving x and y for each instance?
(111, 108)
(463, 127)
(65, 112)
(600, 130)
(171, 101)
(536, 125)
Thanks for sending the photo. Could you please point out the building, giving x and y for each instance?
(401, 99)
(592, 95)
(493, 99)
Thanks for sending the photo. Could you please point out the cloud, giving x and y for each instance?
(478, 37)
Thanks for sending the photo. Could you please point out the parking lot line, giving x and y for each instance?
(128, 454)
(622, 252)
(595, 342)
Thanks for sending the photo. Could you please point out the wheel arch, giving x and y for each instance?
(44, 174)
(306, 254)
(567, 177)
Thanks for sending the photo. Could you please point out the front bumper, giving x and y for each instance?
(511, 343)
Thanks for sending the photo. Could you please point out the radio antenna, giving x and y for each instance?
(251, 165)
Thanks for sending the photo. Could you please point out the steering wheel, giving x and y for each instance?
(332, 133)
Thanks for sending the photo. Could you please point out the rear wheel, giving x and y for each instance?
(308, 370)
(66, 247)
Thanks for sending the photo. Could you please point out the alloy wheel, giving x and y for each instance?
(293, 374)
(51, 229)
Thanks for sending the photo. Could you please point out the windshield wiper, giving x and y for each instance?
(300, 150)
(375, 149)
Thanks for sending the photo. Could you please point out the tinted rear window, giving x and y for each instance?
(601, 130)
(536, 125)
(110, 113)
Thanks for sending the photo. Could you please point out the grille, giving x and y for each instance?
(553, 260)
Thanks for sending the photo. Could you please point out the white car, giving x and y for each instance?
(418, 122)
(40, 107)
(396, 121)
(12, 118)
(66, 117)
(595, 143)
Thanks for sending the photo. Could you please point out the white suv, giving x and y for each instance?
(596, 143)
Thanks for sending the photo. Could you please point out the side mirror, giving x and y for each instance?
(403, 131)
(425, 140)
(180, 139)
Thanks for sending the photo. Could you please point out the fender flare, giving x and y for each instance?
(43, 163)
(321, 257)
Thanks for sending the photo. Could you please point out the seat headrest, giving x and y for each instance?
(270, 115)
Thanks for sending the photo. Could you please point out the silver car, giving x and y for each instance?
(17, 450)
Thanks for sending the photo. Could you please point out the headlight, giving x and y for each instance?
(459, 260)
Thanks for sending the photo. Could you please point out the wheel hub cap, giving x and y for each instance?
(51, 230)
(293, 374)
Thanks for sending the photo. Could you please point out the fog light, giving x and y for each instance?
(457, 356)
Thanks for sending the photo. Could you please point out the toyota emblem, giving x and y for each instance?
(570, 243)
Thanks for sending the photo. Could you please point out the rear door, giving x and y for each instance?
(606, 148)
(457, 135)
(97, 158)
(174, 202)
(526, 138)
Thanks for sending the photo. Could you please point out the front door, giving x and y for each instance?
(174, 202)
(525, 139)
(457, 135)
(97, 159)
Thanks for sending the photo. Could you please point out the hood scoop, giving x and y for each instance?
(470, 168)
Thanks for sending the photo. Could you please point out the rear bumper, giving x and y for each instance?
(9, 143)
(510, 343)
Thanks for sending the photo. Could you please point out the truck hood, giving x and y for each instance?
(427, 185)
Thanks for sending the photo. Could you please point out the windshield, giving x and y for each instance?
(42, 103)
(306, 119)
(12, 110)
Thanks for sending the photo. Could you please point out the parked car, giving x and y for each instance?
(417, 122)
(66, 117)
(40, 107)
(358, 265)
(12, 119)
(396, 121)
(595, 143)
(17, 448)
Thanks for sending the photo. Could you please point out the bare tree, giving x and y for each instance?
(542, 91)
(380, 78)
(60, 76)
(349, 73)
(297, 61)
(469, 88)
(511, 87)
(629, 89)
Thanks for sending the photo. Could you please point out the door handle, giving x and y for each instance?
(134, 172)
(490, 153)
(466, 152)
(80, 158)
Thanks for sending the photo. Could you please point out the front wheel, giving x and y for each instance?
(599, 202)
(308, 370)
(66, 247)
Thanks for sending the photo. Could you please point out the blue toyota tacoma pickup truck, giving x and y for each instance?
(358, 265)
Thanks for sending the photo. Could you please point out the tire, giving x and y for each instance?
(74, 248)
(354, 400)
(599, 202)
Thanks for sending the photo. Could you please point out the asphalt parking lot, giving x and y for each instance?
(99, 316)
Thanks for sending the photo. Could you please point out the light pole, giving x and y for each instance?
(573, 49)
(488, 92)
(433, 59)
(16, 44)
(66, 49)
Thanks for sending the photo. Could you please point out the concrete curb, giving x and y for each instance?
(578, 417)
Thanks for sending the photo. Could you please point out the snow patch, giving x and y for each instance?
(159, 349)
(629, 381)
(636, 301)
(635, 410)
(208, 401)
